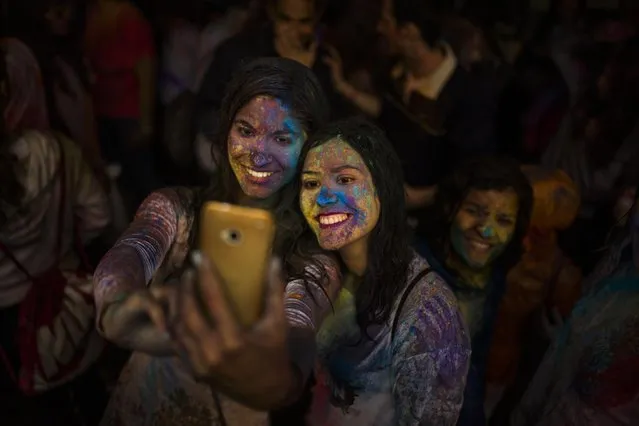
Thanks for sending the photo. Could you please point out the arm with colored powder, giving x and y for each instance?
(127, 314)
(430, 357)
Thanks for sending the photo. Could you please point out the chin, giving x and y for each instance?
(477, 263)
(259, 192)
(331, 244)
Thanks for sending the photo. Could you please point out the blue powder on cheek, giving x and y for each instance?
(350, 201)
(291, 125)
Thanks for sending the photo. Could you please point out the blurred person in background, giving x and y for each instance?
(431, 108)
(597, 146)
(50, 31)
(121, 51)
(590, 374)
(472, 235)
(288, 29)
(541, 288)
(51, 206)
(194, 31)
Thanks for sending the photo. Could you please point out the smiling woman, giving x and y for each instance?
(395, 350)
(264, 145)
(338, 196)
(269, 107)
(475, 231)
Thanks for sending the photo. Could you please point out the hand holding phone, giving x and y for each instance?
(238, 242)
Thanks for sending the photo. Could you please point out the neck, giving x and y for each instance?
(355, 257)
(425, 62)
(476, 278)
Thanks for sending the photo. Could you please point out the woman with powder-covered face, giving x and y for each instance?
(393, 349)
(473, 235)
(269, 108)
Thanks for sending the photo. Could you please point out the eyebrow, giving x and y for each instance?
(344, 167)
(286, 131)
(333, 170)
(479, 206)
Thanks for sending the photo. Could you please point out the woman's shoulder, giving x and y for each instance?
(429, 280)
(429, 299)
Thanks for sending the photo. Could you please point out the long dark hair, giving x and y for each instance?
(481, 174)
(389, 253)
(296, 87)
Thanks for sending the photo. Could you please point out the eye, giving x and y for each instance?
(471, 210)
(284, 140)
(310, 184)
(245, 132)
(345, 180)
(505, 222)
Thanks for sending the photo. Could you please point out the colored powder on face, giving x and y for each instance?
(264, 138)
(337, 181)
(484, 226)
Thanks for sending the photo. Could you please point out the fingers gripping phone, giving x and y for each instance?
(238, 241)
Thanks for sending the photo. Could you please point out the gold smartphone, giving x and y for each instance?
(238, 241)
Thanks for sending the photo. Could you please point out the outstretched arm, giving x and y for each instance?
(126, 311)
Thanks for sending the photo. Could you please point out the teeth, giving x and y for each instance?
(257, 174)
(480, 246)
(333, 219)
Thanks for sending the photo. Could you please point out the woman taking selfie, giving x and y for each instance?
(395, 350)
(475, 231)
(270, 107)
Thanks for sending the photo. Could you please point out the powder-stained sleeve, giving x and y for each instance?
(430, 357)
(140, 251)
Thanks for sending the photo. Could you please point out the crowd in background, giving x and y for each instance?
(518, 115)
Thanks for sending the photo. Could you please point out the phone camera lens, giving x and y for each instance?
(232, 236)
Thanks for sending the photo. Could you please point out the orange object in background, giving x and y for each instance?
(544, 277)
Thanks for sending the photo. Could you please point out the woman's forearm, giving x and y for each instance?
(125, 271)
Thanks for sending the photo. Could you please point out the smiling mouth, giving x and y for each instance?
(479, 245)
(332, 219)
(258, 176)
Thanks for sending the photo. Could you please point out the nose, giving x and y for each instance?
(260, 159)
(486, 230)
(326, 197)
